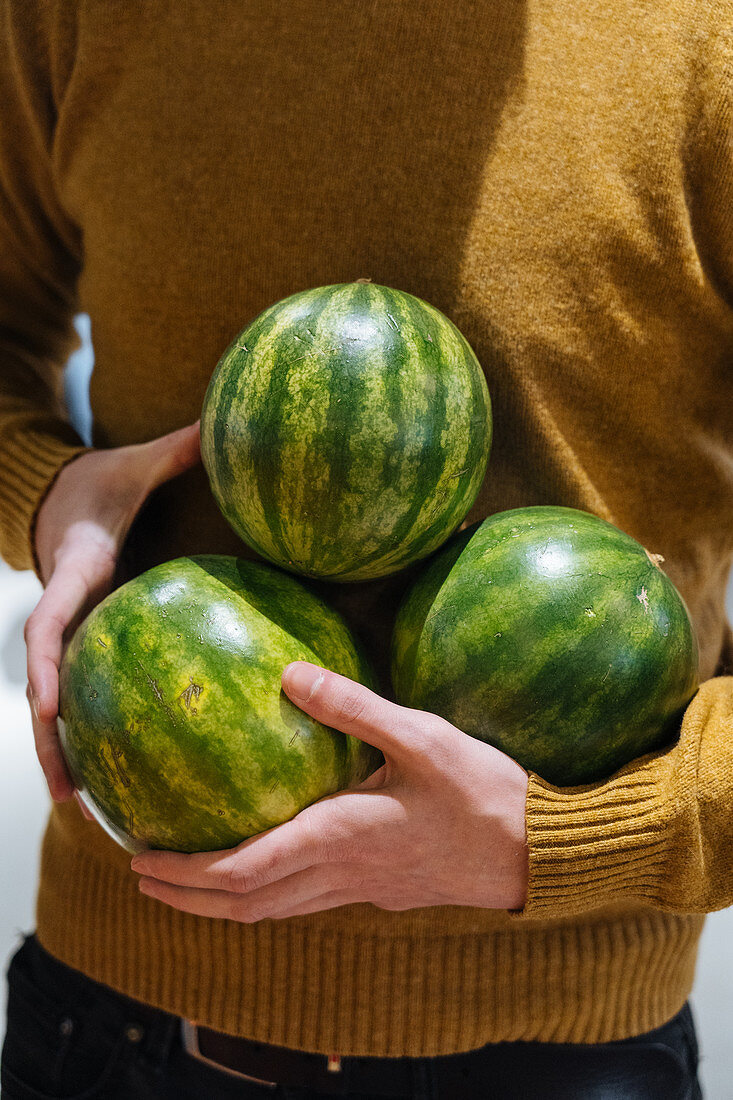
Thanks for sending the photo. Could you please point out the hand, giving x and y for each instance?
(440, 823)
(80, 528)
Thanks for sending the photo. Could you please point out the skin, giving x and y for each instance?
(442, 822)
(80, 529)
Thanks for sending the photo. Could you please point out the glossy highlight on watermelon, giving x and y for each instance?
(552, 635)
(346, 431)
(174, 722)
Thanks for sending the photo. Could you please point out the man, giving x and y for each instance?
(558, 180)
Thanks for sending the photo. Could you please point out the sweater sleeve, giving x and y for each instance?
(659, 832)
(40, 261)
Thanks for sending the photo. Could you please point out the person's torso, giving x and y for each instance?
(536, 170)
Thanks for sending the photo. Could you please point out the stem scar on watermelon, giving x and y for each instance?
(552, 635)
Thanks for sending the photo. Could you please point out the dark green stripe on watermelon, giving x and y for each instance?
(552, 635)
(346, 431)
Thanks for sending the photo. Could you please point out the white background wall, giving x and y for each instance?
(24, 805)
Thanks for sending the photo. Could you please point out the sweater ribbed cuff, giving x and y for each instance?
(656, 833)
(590, 847)
(29, 464)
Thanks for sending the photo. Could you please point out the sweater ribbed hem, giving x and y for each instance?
(419, 983)
(29, 464)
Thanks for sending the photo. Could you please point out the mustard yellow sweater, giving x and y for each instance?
(557, 176)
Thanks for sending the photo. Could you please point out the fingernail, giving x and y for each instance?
(34, 704)
(303, 680)
(138, 864)
(145, 886)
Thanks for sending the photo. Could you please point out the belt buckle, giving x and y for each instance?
(190, 1040)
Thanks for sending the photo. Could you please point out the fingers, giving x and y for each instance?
(50, 757)
(376, 781)
(44, 634)
(81, 526)
(75, 583)
(83, 807)
(171, 454)
(283, 850)
(69, 591)
(303, 892)
(352, 708)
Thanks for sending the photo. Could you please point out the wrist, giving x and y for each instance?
(516, 789)
(37, 535)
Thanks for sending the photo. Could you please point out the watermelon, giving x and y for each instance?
(346, 431)
(174, 724)
(552, 635)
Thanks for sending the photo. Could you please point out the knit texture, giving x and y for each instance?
(557, 177)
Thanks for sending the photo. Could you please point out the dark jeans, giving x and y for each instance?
(69, 1037)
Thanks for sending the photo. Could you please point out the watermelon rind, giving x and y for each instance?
(174, 723)
(346, 431)
(554, 636)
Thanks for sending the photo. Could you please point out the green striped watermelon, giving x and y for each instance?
(346, 431)
(174, 721)
(553, 635)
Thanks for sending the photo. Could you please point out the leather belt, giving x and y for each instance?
(648, 1067)
(264, 1064)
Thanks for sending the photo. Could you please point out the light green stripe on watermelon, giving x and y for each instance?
(352, 434)
(552, 635)
(174, 715)
(459, 391)
(350, 381)
(280, 391)
(419, 453)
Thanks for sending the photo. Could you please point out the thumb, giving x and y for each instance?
(348, 706)
(171, 454)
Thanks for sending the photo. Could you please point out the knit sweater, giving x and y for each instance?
(557, 177)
